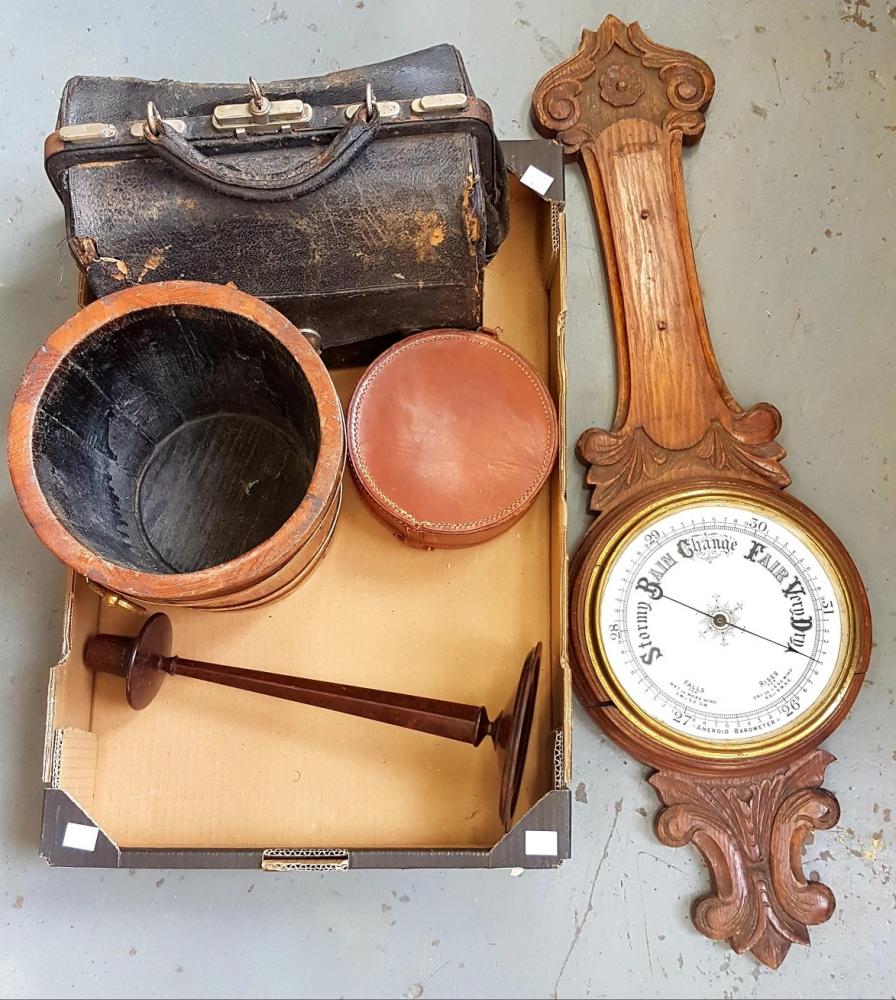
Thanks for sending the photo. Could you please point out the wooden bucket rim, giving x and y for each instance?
(232, 576)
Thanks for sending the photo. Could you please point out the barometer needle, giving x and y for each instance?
(787, 646)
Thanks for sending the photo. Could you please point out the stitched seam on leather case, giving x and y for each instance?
(370, 482)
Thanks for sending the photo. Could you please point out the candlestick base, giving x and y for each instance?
(512, 738)
(138, 661)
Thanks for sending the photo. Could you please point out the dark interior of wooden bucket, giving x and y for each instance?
(176, 438)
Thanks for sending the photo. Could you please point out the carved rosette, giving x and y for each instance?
(751, 832)
(618, 68)
(621, 86)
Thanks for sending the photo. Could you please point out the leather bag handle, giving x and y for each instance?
(284, 185)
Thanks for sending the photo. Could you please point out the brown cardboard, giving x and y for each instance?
(213, 777)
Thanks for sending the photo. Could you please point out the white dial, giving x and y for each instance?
(720, 622)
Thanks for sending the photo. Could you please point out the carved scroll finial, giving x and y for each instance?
(751, 830)
(618, 72)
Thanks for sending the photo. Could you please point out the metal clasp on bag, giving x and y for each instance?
(153, 122)
(260, 114)
(432, 103)
(386, 109)
(90, 132)
(313, 337)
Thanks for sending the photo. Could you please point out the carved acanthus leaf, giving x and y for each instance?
(726, 452)
(750, 831)
(619, 461)
(629, 459)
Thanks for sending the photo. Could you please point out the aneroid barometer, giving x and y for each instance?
(720, 630)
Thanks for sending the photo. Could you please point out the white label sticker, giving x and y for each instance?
(542, 842)
(80, 837)
(537, 179)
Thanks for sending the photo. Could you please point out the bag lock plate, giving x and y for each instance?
(259, 113)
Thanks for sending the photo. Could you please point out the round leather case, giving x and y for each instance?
(451, 435)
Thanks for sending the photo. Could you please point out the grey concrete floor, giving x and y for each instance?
(793, 203)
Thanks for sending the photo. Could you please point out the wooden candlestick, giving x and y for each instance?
(145, 659)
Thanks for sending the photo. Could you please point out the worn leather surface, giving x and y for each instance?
(451, 435)
(395, 243)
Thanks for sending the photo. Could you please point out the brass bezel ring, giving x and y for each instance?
(656, 742)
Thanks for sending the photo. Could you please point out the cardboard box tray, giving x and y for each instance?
(213, 777)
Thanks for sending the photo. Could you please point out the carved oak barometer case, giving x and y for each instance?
(720, 630)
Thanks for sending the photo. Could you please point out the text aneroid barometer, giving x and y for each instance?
(720, 630)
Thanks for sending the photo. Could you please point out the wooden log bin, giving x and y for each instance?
(180, 443)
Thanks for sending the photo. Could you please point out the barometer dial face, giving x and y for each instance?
(720, 626)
